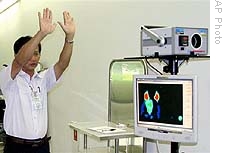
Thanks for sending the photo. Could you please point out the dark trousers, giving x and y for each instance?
(13, 147)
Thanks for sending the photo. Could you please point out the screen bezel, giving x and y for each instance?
(166, 132)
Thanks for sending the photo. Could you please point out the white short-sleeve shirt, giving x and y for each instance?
(26, 102)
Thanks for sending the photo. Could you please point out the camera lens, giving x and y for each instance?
(196, 41)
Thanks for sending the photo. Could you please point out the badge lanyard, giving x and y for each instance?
(36, 98)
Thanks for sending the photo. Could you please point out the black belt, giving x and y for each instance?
(32, 143)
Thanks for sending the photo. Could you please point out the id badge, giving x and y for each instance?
(36, 100)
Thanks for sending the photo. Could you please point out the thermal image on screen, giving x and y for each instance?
(161, 103)
(166, 107)
(148, 104)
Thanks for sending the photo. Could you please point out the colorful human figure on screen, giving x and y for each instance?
(147, 105)
(156, 98)
(150, 108)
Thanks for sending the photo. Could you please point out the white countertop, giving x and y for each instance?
(84, 127)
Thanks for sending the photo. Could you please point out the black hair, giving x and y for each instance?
(21, 41)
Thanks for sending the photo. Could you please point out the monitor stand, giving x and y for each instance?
(172, 67)
(174, 147)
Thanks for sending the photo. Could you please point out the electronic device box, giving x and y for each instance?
(173, 41)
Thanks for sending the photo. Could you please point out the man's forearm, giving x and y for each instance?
(66, 54)
(64, 59)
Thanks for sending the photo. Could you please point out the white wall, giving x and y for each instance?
(106, 30)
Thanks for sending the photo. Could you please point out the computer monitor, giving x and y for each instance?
(165, 107)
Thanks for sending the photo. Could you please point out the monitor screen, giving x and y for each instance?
(166, 107)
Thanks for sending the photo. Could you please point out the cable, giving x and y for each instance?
(153, 67)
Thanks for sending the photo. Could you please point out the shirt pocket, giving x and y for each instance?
(23, 87)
